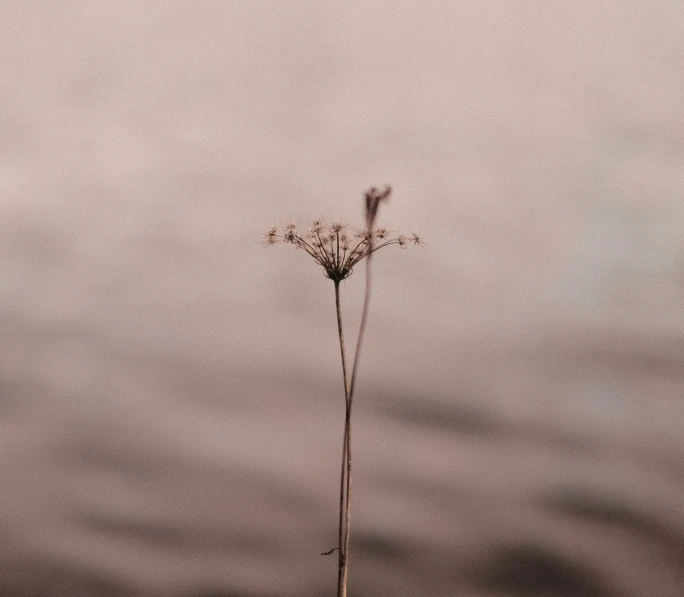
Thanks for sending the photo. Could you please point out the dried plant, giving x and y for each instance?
(338, 248)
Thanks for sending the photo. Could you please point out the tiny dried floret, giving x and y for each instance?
(272, 235)
(364, 234)
(416, 240)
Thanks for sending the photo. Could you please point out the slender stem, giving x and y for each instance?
(347, 503)
(362, 327)
(345, 478)
(342, 561)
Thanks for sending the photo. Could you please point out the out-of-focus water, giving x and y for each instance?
(170, 390)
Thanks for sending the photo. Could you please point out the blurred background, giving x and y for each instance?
(171, 402)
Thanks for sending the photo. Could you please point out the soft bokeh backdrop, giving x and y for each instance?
(170, 390)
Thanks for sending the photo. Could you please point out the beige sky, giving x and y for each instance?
(537, 147)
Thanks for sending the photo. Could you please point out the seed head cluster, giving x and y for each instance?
(337, 247)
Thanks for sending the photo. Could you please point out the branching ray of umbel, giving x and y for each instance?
(338, 250)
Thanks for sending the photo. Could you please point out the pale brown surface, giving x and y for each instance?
(170, 394)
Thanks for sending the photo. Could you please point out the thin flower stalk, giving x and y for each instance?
(337, 248)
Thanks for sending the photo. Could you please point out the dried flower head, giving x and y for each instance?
(337, 247)
(373, 199)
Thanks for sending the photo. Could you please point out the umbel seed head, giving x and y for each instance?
(336, 246)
